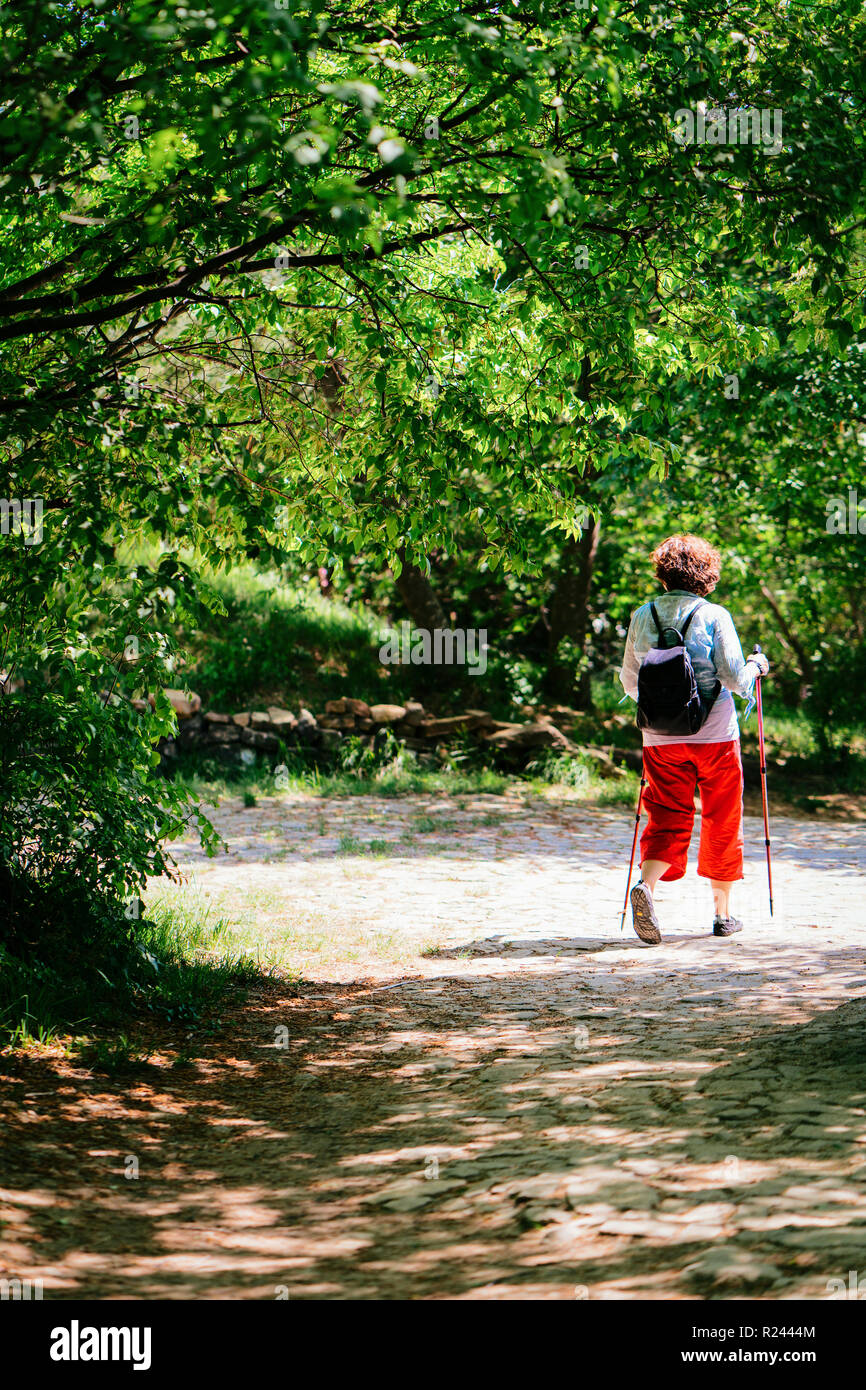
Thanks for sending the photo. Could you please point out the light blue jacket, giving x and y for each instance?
(715, 651)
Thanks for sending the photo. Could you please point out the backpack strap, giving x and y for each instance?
(685, 627)
(681, 631)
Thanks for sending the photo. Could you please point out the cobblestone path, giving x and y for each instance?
(483, 1089)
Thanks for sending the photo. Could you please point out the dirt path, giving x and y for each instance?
(485, 1091)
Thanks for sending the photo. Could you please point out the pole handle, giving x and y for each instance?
(757, 648)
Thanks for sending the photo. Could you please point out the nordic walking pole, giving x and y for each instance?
(763, 757)
(633, 843)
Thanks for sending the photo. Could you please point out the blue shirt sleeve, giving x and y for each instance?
(732, 669)
(631, 664)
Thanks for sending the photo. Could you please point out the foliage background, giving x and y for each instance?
(429, 300)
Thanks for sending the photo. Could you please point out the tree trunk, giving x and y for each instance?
(806, 667)
(419, 597)
(568, 617)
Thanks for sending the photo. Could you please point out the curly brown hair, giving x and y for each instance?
(688, 562)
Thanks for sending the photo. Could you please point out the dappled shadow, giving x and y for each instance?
(473, 1137)
(538, 1107)
(505, 946)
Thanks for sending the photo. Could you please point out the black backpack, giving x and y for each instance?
(668, 699)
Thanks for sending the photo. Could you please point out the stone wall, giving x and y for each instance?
(242, 736)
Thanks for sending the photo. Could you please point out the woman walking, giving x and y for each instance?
(683, 664)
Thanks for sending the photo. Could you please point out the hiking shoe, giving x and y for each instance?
(726, 926)
(643, 915)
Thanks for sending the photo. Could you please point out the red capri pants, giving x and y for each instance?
(672, 771)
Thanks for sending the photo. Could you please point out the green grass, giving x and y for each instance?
(575, 777)
(350, 844)
(176, 966)
(283, 643)
(425, 824)
(208, 781)
(197, 962)
(113, 1055)
(288, 939)
(578, 777)
(34, 1003)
